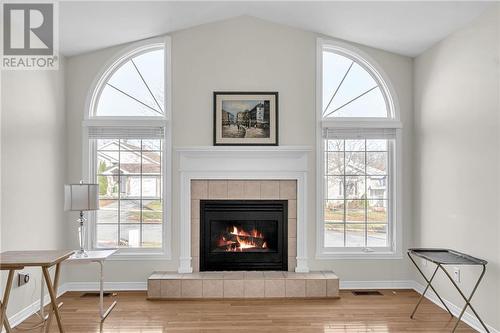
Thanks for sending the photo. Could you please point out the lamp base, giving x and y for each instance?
(81, 254)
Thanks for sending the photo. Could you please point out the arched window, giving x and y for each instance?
(358, 131)
(128, 145)
(350, 89)
(133, 86)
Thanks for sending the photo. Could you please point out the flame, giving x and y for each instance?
(242, 241)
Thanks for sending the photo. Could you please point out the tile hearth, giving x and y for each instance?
(247, 284)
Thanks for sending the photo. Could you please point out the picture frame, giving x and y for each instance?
(245, 118)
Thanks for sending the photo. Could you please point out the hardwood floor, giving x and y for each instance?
(133, 313)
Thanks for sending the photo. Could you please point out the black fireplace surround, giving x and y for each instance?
(238, 235)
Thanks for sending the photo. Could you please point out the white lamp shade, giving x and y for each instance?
(79, 197)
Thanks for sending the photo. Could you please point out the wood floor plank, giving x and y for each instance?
(133, 313)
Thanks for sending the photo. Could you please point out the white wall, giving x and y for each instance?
(33, 169)
(457, 154)
(241, 54)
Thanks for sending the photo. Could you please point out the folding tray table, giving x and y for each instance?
(442, 257)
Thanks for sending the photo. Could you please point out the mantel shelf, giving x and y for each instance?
(244, 149)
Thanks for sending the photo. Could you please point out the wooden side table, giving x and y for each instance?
(17, 260)
(98, 257)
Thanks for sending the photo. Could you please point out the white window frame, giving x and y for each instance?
(355, 125)
(89, 149)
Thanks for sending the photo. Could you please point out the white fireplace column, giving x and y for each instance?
(242, 163)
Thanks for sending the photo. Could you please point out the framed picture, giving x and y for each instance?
(245, 118)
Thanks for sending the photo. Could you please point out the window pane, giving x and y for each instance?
(130, 211)
(376, 145)
(130, 235)
(334, 211)
(334, 235)
(334, 145)
(107, 235)
(136, 87)
(151, 187)
(354, 145)
(151, 162)
(354, 163)
(376, 163)
(377, 187)
(355, 187)
(108, 187)
(377, 211)
(151, 235)
(335, 163)
(130, 187)
(377, 235)
(108, 211)
(130, 162)
(355, 211)
(152, 211)
(355, 235)
(151, 145)
(335, 188)
(107, 144)
(350, 90)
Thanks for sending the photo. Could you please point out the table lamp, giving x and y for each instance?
(81, 197)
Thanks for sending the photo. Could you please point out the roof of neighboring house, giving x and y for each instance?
(150, 160)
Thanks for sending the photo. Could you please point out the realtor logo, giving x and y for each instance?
(29, 36)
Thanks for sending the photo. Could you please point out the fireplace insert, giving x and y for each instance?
(243, 235)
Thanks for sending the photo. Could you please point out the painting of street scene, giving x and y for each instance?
(245, 119)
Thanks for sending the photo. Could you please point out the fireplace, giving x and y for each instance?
(243, 235)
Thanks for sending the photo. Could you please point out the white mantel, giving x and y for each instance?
(242, 162)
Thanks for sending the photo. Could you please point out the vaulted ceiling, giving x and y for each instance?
(407, 28)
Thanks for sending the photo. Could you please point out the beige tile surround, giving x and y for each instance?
(171, 285)
(241, 190)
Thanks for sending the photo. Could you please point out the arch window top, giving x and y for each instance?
(352, 88)
(134, 86)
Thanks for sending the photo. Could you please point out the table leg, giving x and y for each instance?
(56, 287)
(3, 305)
(467, 299)
(428, 285)
(53, 294)
(101, 294)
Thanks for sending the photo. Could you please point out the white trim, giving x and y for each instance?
(397, 284)
(240, 163)
(108, 286)
(88, 169)
(25, 313)
(393, 122)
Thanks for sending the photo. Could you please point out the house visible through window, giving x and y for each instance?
(128, 154)
(129, 173)
(356, 200)
(356, 173)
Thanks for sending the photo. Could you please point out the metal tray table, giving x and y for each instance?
(442, 257)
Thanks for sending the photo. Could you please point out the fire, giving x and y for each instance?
(239, 240)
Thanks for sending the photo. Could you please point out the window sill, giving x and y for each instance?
(326, 255)
(131, 256)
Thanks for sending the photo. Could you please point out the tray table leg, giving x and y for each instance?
(467, 299)
(429, 284)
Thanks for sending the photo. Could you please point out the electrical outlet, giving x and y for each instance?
(456, 274)
(22, 279)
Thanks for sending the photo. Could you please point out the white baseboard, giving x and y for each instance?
(468, 318)
(110, 286)
(25, 313)
(401, 284)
